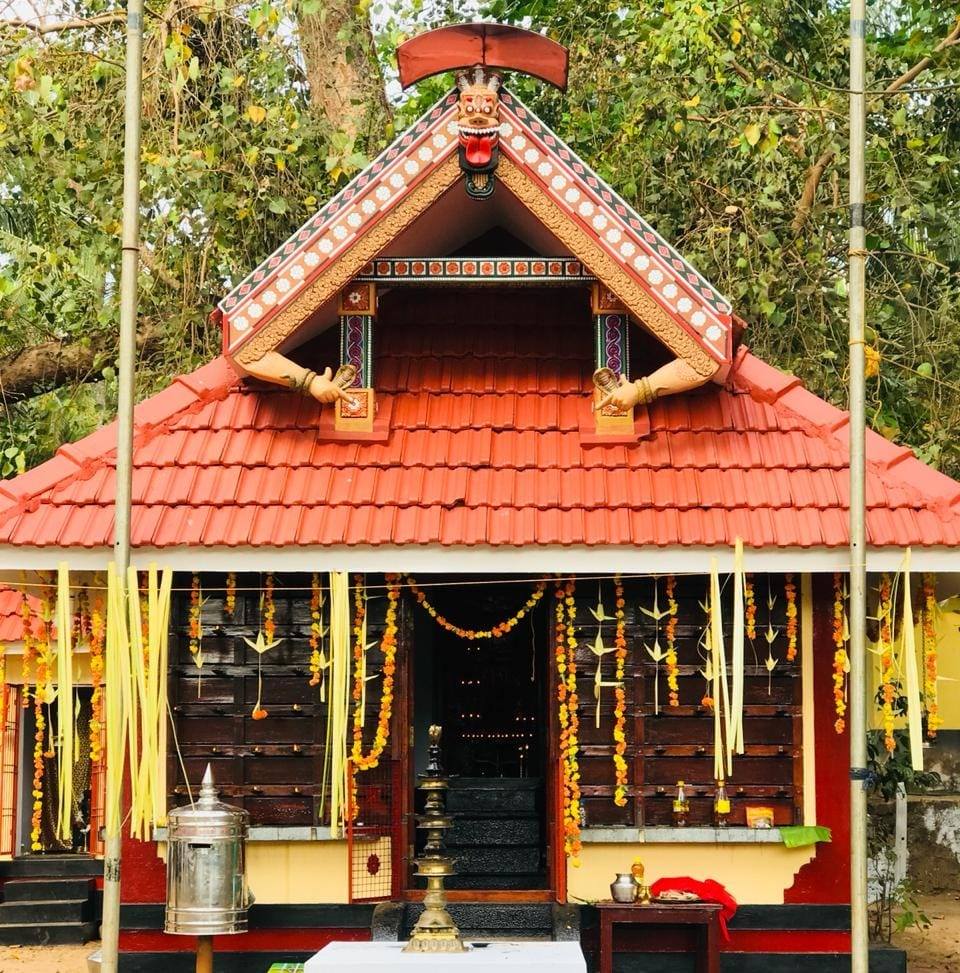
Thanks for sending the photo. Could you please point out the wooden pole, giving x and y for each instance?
(859, 945)
(205, 954)
(129, 268)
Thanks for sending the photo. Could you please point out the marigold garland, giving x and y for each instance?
(230, 596)
(29, 651)
(269, 609)
(497, 631)
(565, 644)
(930, 687)
(839, 655)
(316, 630)
(750, 607)
(673, 670)
(790, 596)
(620, 693)
(97, 642)
(195, 626)
(886, 662)
(39, 699)
(388, 646)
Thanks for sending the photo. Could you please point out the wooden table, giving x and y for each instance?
(704, 915)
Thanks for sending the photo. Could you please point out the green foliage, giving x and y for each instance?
(707, 116)
(889, 771)
(234, 158)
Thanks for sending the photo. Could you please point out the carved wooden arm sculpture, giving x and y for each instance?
(676, 376)
(275, 368)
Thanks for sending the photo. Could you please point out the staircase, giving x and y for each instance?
(485, 921)
(497, 839)
(47, 911)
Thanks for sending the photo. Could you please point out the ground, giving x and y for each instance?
(938, 948)
(934, 951)
(45, 959)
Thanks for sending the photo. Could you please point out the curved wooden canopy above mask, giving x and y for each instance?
(490, 45)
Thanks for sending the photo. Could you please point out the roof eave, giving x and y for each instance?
(479, 559)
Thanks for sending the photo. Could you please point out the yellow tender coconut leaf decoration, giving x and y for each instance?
(908, 635)
(721, 686)
(735, 725)
(65, 725)
(136, 693)
(335, 764)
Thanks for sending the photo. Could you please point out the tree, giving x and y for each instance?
(252, 115)
(723, 123)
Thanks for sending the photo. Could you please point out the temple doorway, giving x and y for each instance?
(490, 696)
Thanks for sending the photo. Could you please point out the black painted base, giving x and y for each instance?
(881, 961)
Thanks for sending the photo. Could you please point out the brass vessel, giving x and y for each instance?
(435, 930)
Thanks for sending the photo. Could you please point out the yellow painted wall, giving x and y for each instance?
(754, 874)
(292, 872)
(948, 666)
(298, 871)
(948, 671)
(81, 669)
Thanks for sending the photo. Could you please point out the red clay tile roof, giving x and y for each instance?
(484, 450)
(11, 623)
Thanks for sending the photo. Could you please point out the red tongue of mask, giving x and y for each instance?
(478, 149)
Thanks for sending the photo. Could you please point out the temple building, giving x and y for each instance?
(598, 587)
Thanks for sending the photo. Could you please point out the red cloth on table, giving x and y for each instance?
(708, 890)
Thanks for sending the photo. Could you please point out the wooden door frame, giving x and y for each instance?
(405, 824)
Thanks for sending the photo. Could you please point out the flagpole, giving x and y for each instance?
(859, 945)
(129, 268)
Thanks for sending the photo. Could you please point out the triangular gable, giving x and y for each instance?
(656, 284)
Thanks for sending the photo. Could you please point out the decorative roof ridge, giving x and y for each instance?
(82, 459)
(271, 262)
(893, 463)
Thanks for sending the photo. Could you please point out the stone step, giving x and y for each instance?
(503, 919)
(490, 883)
(42, 910)
(29, 889)
(493, 802)
(47, 933)
(497, 861)
(511, 831)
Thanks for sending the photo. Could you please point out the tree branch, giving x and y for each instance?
(53, 364)
(950, 40)
(809, 194)
(78, 24)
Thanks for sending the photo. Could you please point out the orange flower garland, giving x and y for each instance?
(39, 698)
(750, 610)
(195, 626)
(839, 655)
(388, 646)
(497, 631)
(230, 596)
(269, 609)
(671, 631)
(566, 657)
(316, 629)
(620, 707)
(929, 609)
(790, 596)
(26, 616)
(97, 641)
(886, 661)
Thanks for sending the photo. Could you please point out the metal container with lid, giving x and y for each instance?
(206, 877)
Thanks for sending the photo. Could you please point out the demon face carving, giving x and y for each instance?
(479, 127)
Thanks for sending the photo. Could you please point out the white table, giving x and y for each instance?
(381, 957)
